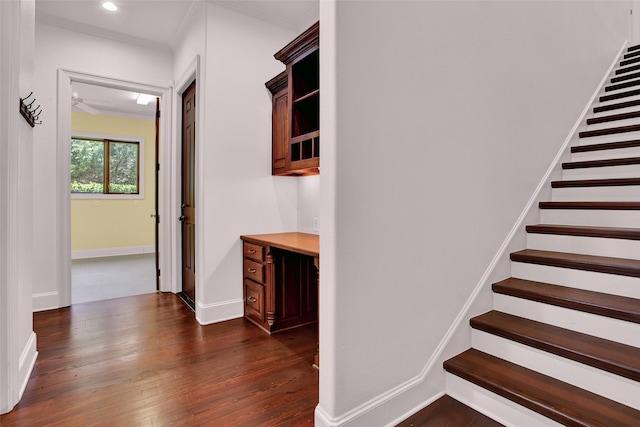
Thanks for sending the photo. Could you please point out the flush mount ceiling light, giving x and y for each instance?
(110, 6)
(144, 99)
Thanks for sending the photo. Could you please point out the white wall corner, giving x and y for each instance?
(207, 314)
(27, 361)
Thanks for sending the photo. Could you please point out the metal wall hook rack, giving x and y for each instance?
(30, 114)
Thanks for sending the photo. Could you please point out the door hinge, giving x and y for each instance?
(158, 114)
(158, 166)
(158, 272)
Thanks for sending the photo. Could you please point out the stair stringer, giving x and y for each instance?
(430, 383)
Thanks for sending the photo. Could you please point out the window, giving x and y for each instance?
(105, 166)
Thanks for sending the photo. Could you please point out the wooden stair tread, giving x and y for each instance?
(613, 117)
(614, 306)
(617, 106)
(625, 161)
(448, 412)
(601, 264)
(610, 356)
(631, 54)
(605, 146)
(629, 61)
(619, 95)
(614, 182)
(632, 48)
(610, 131)
(616, 206)
(625, 77)
(562, 402)
(622, 85)
(585, 231)
(628, 69)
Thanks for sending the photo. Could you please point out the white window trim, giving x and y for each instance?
(140, 141)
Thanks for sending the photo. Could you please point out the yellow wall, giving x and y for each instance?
(101, 223)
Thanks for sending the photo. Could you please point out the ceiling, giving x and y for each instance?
(155, 24)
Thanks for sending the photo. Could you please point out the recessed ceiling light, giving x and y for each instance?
(110, 6)
(144, 99)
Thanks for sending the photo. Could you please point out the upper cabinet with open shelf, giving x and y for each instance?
(296, 134)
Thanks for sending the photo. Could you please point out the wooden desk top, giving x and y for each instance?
(303, 243)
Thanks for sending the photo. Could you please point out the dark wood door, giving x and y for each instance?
(157, 206)
(188, 216)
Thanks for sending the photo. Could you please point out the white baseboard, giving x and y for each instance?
(27, 362)
(207, 314)
(105, 252)
(46, 301)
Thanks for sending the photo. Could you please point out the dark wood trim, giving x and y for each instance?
(625, 77)
(601, 264)
(626, 161)
(613, 118)
(605, 146)
(617, 106)
(631, 54)
(611, 206)
(610, 131)
(602, 304)
(630, 61)
(627, 69)
(278, 83)
(562, 402)
(624, 85)
(585, 231)
(616, 182)
(307, 41)
(610, 356)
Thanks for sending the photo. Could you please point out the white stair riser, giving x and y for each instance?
(605, 172)
(587, 323)
(592, 217)
(602, 139)
(618, 153)
(625, 193)
(603, 383)
(619, 248)
(494, 406)
(613, 124)
(613, 284)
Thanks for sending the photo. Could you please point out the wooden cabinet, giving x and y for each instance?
(279, 122)
(280, 280)
(301, 139)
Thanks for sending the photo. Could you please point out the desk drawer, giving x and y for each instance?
(253, 251)
(254, 300)
(253, 270)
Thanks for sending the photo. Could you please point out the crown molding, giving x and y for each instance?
(197, 7)
(98, 32)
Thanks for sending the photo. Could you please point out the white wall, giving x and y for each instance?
(237, 193)
(308, 203)
(60, 48)
(447, 115)
(17, 339)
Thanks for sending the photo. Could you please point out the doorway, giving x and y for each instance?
(113, 193)
(65, 94)
(188, 200)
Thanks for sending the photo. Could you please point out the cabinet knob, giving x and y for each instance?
(251, 270)
(251, 299)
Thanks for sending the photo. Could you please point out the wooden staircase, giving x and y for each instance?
(562, 344)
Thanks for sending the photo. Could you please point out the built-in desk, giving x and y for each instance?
(280, 278)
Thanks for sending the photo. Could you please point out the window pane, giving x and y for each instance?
(123, 167)
(87, 166)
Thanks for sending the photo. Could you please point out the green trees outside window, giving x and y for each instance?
(104, 166)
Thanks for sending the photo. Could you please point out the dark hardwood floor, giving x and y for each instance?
(144, 360)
